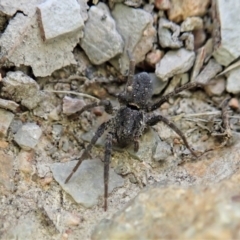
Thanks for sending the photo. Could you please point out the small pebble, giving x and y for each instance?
(154, 57)
(72, 219)
(25, 161)
(234, 103)
(46, 181)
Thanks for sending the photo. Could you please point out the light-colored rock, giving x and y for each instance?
(158, 85)
(181, 9)
(27, 48)
(163, 150)
(216, 86)
(86, 185)
(209, 71)
(28, 136)
(174, 62)
(132, 3)
(59, 18)
(191, 23)
(200, 37)
(188, 40)
(233, 81)
(101, 41)
(168, 34)
(6, 118)
(175, 82)
(234, 104)
(10, 7)
(162, 4)
(83, 9)
(72, 105)
(25, 161)
(203, 54)
(198, 212)
(25, 227)
(147, 145)
(136, 28)
(9, 105)
(21, 88)
(229, 23)
(154, 57)
(72, 219)
(6, 173)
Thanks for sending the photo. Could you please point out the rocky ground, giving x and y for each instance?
(58, 56)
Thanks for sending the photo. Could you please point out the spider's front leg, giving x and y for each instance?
(107, 160)
(155, 119)
(101, 129)
(163, 99)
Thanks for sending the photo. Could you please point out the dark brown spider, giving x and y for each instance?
(131, 119)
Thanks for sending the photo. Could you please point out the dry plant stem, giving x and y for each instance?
(74, 93)
(225, 117)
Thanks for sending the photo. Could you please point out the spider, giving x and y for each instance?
(130, 119)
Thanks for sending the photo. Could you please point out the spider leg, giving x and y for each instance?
(106, 103)
(97, 135)
(163, 99)
(131, 70)
(155, 119)
(107, 159)
(136, 144)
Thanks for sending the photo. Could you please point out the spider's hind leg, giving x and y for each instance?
(155, 119)
(101, 129)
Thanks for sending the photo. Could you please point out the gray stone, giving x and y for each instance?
(27, 48)
(86, 185)
(101, 41)
(174, 62)
(233, 81)
(59, 18)
(147, 144)
(163, 150)
(191, 23)
(6, 118)
(21, 88)
(158, 85)
(16, 124)
(28, 136)
(209, 71)
(57, 130)
(168, 33)
(229, 20)
(136, 28)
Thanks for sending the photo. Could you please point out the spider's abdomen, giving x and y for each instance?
(129, 124)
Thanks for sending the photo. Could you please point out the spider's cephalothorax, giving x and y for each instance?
(131, 119)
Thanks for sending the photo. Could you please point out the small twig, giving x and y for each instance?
(225, 117)
(74, 93)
